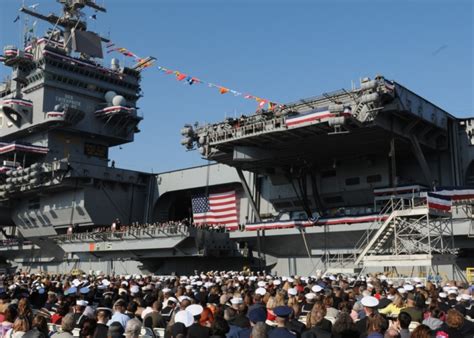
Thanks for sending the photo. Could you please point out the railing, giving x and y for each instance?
(341, 259)
(230, 133)
(388, 208)
(13, 242)
(131, 233)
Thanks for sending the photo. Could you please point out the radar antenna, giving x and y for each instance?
(75, 34)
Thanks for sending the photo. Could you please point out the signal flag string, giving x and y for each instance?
(180, 76)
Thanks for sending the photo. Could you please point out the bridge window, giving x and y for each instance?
(353, 181)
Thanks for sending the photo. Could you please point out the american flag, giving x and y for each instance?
(218, 208)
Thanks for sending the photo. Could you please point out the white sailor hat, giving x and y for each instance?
(185, 317)
(181, 298)
(419, 285)
(277, 282)
(390, 282)
(408, 287)
(316, 288)
(443, 295)
(290, 280)
(369, 301)
(292, 291)
(261, 284)
(76, 282)
(417, 280)
(402, 290)
(105, 282)
(82, 302)
(452, 292)
(172, 299)
(465, 296)
(106, 309)
(147, 287)
(195, 309)
(370, 286)
(188, 287)
(332, 278)
(236, 301)
(310, 295)
(166, 290)
(261, 291)
(199, 283)
(241, 278)
(134, 289)
(125, 283)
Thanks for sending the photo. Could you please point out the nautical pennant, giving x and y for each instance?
(192, 80)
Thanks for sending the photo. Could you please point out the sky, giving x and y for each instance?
(281, 50)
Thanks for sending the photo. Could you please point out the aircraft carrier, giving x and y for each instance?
(339, 181)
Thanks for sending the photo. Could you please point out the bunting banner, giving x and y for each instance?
(191, 80)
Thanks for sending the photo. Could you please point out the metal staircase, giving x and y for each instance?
(403, 235)
(348, 260)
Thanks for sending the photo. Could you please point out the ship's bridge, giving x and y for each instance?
(380, 118)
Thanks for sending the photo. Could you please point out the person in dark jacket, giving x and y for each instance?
(294, 325)
(154, 319)
(370, 308)
(316, 322)
(344, 327)
(281, 330)
(256, 315)
(456, 326)
(196, 330)
(103, 316)
(79, 316)
(219, 328)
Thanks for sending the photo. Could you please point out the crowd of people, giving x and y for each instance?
(138, 229)
(232, 305)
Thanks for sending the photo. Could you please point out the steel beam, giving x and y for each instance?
(421, 159)
(248, 194)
